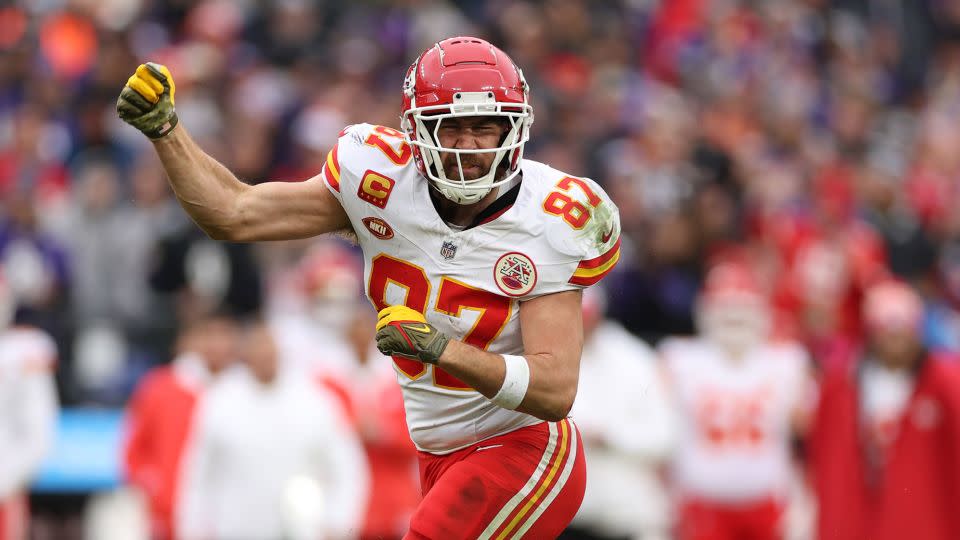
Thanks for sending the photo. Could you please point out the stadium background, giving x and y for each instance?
(816, 139)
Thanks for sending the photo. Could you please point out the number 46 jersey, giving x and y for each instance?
(561, 233)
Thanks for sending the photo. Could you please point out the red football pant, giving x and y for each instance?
(759, 520)
(13, 518)
(528, 483)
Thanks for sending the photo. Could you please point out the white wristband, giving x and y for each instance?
(515, 382)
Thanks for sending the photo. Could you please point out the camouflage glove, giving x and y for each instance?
(146, 102)
(402, 331)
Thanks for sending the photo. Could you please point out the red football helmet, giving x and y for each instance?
(464, 76)
(331, 280)
(733, 310)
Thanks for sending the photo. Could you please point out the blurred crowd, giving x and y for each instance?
(815, 143)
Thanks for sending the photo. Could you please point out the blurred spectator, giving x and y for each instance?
(28, 412)
(311, 304)
(34, 262)
(161, 410)
(883, 449)
(90, 232)
(739, 398)
(820, 136)
(325, 327)
(376, 403)
(204, 275)
(942, 321)
(626, 422)
(150, 217)
(829, 258)
(271, 455)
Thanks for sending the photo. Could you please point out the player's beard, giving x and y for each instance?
(474, 166)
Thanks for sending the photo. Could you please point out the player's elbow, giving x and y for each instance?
(562, 409)
(558, 406)
(220, 234)
(555, 415)
(552, 391)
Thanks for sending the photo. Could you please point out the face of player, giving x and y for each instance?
(470, 133)
(260, 353)
(896, 348)
(215, 341)
(736, 325)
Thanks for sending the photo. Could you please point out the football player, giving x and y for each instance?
(740, 397)
(475, 259)
(28, 413)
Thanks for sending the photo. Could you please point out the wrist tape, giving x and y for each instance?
(515, 382)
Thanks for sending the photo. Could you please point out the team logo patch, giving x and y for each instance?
(515, 274)
(448, 250)
(378, 227)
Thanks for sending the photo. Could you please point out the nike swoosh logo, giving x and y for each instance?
(606, 238)
(479, 448)
(424, 329)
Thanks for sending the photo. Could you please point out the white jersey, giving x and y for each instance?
(561, 233)
(734, 418)
(626, 421)
(28, 405)
(306, 345)
(251, 447)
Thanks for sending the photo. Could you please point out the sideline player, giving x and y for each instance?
(740, 397)
(475, 258)
(28, 413)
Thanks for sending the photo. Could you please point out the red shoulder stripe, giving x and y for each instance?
(600, 260)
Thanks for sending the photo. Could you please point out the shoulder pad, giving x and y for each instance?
(362, 148)
(583, 223)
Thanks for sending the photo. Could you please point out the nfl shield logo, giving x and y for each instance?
(448, 250)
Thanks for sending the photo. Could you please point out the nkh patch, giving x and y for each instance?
(515, 274)
(448, 250)
(378, 227)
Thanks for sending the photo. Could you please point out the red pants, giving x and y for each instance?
(528, 483)
(13, 518)
(705, 520)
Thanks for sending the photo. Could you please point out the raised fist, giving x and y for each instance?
(146, 102)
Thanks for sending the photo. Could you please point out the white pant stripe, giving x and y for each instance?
(557, 488)
(534, 479)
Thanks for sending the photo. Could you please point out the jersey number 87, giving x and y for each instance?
(452, 298)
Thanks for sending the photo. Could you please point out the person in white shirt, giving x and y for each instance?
(271, 456)
(626, 421)
(28, 413)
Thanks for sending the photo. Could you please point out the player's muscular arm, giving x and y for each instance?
(552, 342)
(223, 206)
(228, 209)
